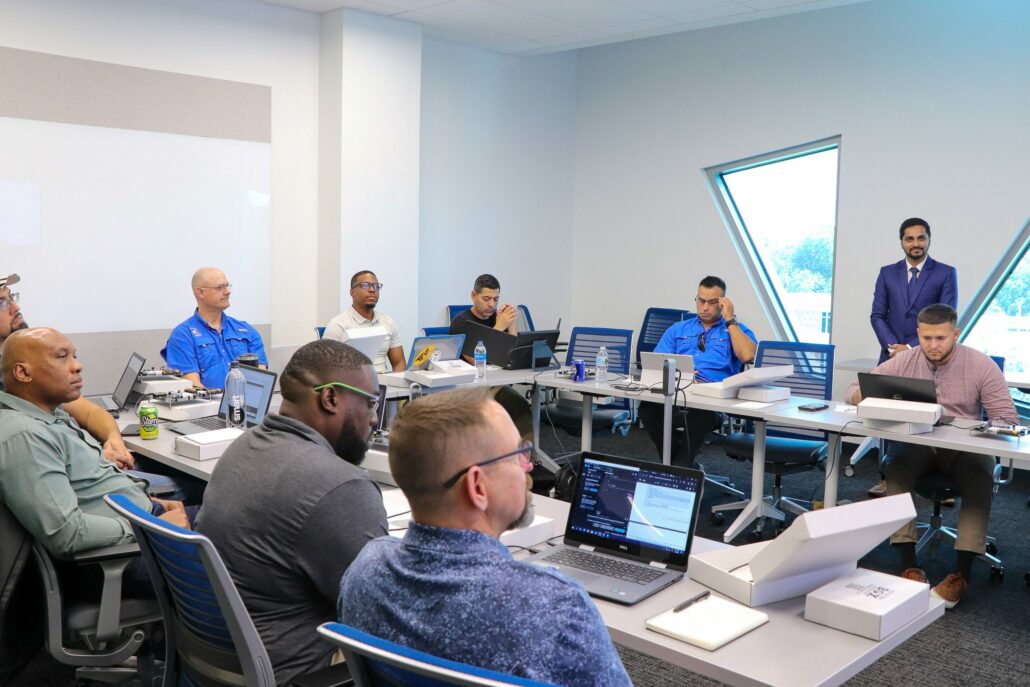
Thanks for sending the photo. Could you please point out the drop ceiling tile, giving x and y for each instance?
(501, 18)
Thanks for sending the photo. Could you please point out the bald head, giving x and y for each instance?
(40, 366)
(211, 288)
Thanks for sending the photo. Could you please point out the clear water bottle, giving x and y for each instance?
(236, 395)
(480, 357)
(601, 365)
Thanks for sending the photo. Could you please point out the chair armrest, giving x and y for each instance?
(161, 491)
(112, 560)
(129, 551)
(333, 676)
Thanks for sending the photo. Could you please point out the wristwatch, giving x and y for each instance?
(732, 320)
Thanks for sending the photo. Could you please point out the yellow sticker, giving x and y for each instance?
(424, 355)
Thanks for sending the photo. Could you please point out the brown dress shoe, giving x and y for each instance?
(878, 490)
(950, 590)
(916, 575)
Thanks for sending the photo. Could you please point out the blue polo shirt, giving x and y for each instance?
(717, 361)
(194, 346)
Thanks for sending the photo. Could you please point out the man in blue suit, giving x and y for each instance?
(904, 288)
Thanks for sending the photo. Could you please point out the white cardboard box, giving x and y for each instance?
(764, 393)
(818, 547)
(206, 445)
(394, 379)
(868, 603)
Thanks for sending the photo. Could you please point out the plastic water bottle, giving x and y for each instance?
(601, 366)
(236, 393)
(480, 357)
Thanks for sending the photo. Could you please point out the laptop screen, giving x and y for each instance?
(874, 385)
(128, 380)
(260, 385)
(428, 349)
(635, 507)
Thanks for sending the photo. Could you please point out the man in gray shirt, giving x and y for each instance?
(287, 507)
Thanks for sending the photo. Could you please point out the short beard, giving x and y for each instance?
(350, 446)
(529, 512)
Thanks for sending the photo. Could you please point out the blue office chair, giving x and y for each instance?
(320, 331)
(436, 331)
(583, 345)
(209, 636)
(527, 325)
(787, 449)
(375, 662)
(656, 322)
(455, 310)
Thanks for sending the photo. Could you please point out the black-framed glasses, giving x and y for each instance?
(370, 398)
(369, 285)
(5, 303)
(521, 451)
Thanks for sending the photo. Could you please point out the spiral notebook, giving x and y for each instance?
(708, 624)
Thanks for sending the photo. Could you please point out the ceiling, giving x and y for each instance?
(534, 27)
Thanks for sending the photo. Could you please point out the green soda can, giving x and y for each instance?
(147, 420)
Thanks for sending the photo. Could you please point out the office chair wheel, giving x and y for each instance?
(997, 572)
(717, 519)
(849, 470)
(992, 548)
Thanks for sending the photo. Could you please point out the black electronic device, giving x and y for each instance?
(668, 378)
(813, 407)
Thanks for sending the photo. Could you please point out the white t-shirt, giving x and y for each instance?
(351, 318)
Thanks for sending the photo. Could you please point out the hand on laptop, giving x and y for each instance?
(116, 452)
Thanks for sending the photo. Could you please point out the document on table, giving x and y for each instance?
(845, 408)
(708, 624)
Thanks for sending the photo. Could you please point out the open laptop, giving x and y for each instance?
(260, 385)
(630, 527)
(429, 349)
(872, 385)
(511, 352)
(651, 365)
(120, 396)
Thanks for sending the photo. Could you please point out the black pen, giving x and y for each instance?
(691, 601)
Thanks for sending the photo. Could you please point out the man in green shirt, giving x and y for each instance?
(53, 475)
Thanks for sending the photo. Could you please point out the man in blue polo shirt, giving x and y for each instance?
(720, 346)
(203, 346)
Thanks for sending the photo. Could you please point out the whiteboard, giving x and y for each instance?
(106, 226)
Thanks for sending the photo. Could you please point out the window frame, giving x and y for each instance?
(758, 274)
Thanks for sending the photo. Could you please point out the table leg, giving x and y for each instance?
(587, 440)
(541, 456)
(757, 507)
(667, 431)
(832, 469)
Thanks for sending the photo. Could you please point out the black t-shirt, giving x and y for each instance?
(462, 325)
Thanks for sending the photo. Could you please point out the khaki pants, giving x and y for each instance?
(973, 472)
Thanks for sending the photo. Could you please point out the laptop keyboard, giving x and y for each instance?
(211, 422)
(604, 565)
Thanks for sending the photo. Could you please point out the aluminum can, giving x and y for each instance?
(579, 370)
(147, 420)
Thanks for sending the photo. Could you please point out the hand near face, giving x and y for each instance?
(506, 315)
(726, 305)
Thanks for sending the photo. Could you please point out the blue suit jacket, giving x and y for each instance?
(894, 315)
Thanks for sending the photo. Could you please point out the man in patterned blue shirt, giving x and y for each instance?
(720, 346)
(450, 588)
(203, 346)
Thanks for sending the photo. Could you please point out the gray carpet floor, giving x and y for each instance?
(983, 641)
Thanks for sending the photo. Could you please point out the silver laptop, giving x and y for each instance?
(260, 386)
(651, 368)
(429, 349)
(117, 400)
(630, 527)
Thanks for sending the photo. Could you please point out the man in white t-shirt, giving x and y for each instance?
(364, 292)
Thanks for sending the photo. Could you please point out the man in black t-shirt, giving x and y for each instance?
(486, 310)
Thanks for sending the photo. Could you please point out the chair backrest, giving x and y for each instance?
(375, 662)
(210, 636)
(813, 375)
(320, 331)
(436, 331)
(525, 323)
(656, 321)
(21, 626)
(585, 342)
(455, 310)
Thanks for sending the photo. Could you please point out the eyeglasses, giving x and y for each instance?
(709, 301)
(368, 286)
(522, 452)
(5, 303)
(701, 345)
(370, 398)
(218, 287)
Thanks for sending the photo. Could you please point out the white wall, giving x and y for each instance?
(497, 178)
(238, 40)
(929, 96)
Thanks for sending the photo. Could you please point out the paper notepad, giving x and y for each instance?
(708, 624)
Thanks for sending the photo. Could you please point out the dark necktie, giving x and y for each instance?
(913, 281)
